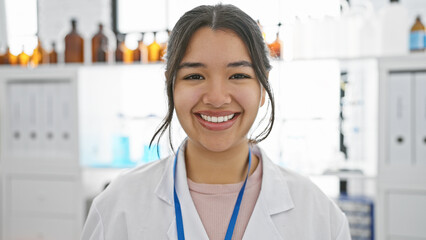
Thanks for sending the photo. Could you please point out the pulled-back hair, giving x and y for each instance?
(224, 17)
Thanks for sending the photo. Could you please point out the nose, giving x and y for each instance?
(217, 93)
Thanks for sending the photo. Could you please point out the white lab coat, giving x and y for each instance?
(139, 205)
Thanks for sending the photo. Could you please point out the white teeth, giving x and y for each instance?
(217, 119)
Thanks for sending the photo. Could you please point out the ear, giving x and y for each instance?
(262, 101)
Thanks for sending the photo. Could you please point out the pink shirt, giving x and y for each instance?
(215, 203)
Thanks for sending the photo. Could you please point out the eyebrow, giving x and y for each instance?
(191, 65)
(242, 63)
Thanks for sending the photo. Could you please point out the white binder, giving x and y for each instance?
(64, 119)
(50, 135)
(420, 118)
(399, 114)
(15, 120)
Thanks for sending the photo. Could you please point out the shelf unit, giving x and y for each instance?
(401, 191)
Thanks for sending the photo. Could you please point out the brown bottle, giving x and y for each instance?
(23, 58)
(74, 45)
(119, 56)
(39, 55)
(3, 57)
(53, 55)
(154, 50)
(137, 53)
(100, 46)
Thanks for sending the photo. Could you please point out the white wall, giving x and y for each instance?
(3, 33)
(55, 15)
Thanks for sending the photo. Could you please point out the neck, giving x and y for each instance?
(230, 166)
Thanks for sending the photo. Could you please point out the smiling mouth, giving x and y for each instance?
(217, 119)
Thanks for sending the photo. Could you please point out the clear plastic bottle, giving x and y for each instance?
(394, 29)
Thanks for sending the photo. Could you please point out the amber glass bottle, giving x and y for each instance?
(119, 50)
(74, 45)
(417, 36)
(100, 46)
(53, 55)
(127, 53)
(137, 53)
(11, 58)
(3, 57)
(23, 58)
(275, 47)
(39, 54)
(154, 50)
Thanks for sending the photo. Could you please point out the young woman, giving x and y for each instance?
(219, 184)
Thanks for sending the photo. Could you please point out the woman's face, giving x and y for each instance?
(217, 94)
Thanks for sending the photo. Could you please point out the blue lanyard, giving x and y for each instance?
(178, 211)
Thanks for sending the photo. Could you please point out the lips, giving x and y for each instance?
(217, 121)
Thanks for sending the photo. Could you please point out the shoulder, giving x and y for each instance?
(311, 206)
(139, 183)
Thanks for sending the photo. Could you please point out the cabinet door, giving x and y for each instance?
(420, 118)
(399, 128)
(42, 229)
(44, 196)
(406, 214)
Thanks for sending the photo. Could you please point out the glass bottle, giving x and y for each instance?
(53, 55)
(163, 49)
(154, 50)
(11, 58)
(144, 49)
(127, 53)
(100, 46)
(23, 58)
(39, 54)
(137, 53)
(119, 49)
(3, 56)
(275, 47)
(74, 45)
(261, 29)
(417, 36)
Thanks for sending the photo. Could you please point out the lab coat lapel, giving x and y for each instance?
(274, 199)
(193, 227)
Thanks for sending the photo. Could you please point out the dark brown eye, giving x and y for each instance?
(239, 76)
(194, 77)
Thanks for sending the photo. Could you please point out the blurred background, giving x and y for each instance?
(82, 93)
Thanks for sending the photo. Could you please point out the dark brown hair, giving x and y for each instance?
(216, 17)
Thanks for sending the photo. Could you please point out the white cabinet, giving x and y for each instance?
(401, 178)
(55, 121)
(39, 162)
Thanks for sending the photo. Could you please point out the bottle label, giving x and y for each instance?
(417, 40)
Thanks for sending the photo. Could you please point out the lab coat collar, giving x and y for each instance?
(274, 198)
